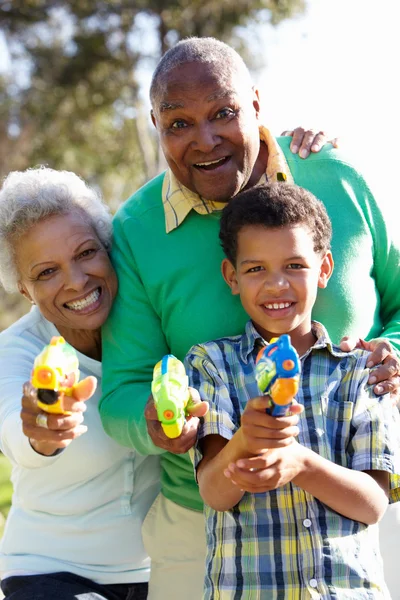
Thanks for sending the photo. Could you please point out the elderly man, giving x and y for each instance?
(171, 295)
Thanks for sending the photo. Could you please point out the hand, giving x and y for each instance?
(196, 409)
(260, 431)
(305, 141)
(386, 376)
(268, 471)
(59, 430)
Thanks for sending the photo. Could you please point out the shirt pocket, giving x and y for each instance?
(337, 424)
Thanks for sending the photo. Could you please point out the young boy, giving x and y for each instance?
(289, 520)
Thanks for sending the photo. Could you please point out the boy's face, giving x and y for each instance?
(277, 275)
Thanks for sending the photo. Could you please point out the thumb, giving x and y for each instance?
(348, 343)
(195, 407)
(85, 388)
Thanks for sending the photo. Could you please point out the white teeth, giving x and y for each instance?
(84, 302)
(206, 164)
(277, 306)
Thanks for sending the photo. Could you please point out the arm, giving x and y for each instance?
(132, 343)
(357, 488)
(259, 432)
(383, 217)
(362, 496)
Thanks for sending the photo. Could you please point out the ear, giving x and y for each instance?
(22, 290)
(325, 270)
(229, 274)
(256, 101)
(153, 119)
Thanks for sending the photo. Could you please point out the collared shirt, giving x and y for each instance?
(178, 200)
(286, 544)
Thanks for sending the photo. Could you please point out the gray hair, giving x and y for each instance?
(30, 196)
(205, 50)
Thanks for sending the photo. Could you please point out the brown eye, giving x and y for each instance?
(46, 273)
(224, 113)
(178, 125)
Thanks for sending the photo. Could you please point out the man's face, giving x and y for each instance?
(208, 127)
(277, 275)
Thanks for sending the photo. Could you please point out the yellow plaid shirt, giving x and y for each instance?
(178, 200)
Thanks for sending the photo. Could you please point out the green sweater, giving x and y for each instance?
(171, 294)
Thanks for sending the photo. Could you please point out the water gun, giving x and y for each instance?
(55, 372)
(171, 394)
(277, 374)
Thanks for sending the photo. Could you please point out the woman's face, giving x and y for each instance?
(65, 270)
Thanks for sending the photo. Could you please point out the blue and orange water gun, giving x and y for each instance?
(55, 372)
(277, 374)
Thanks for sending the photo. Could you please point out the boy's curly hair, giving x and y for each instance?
(274, 205)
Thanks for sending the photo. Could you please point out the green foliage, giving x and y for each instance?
(5, 490)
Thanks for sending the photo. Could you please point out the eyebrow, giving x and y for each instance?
(260, 260)
(164, 106)
(52, 262)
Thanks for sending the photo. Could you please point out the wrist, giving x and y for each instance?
(44, 448)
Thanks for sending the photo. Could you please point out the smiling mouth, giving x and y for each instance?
(84, 303)
(278, 305)
(211, 164)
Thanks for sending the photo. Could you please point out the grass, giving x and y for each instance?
(5, 490)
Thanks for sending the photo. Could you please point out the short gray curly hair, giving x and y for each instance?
(207, 50)
(29, 196)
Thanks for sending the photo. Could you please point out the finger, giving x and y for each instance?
(381, 350)
(287, 133)
(197, 410)
(390, 386)
(40, 434)
(54, 422)
(320, 139)
(150, 411)
(195, 407)
(255, 462)
(85, 388)
(384, 372)
(178, 445)
(70, 405)
(306, 143)
(297, 140)
(250, 481)
(295, 408)
(29, 398)
(256, 412)
(334, 142)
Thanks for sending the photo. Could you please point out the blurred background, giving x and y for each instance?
(74, 80)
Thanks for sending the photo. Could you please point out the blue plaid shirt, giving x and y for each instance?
(286, 544)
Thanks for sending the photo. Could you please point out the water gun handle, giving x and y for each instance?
(171, 395)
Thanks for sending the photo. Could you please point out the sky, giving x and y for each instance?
(336, 68)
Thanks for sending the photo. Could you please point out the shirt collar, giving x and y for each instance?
(251, 341)
(178, 200)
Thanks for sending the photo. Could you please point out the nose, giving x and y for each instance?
(206, 137)
(275, 283)
(76, 278)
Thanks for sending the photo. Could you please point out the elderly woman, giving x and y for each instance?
(74, 528)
